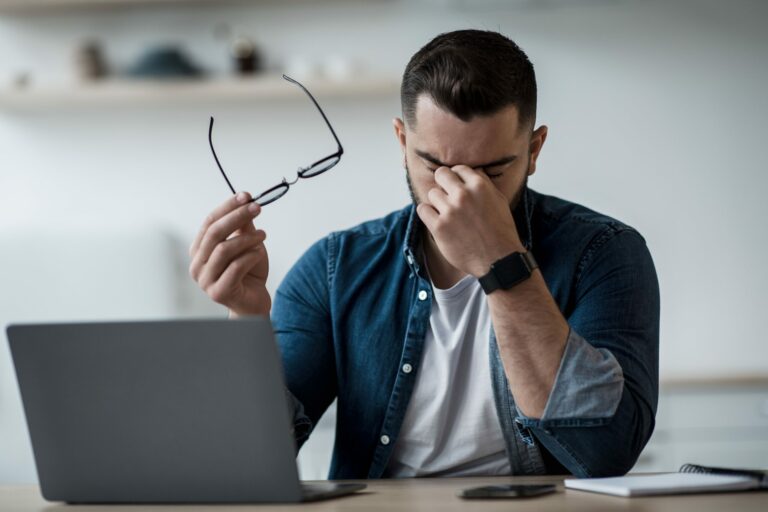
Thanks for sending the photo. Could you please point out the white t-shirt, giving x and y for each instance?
(451, 427)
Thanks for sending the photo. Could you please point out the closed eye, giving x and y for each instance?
(493, 169)
(489, 171)
(490, 174)
(493, 172)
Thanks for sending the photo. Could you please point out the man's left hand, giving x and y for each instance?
(469, 219)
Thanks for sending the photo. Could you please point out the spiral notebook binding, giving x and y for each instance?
(694, 468)
(761, 476)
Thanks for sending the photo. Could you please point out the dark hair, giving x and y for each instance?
(470, 73)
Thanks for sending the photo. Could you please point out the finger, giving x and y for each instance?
(237, 270)
(438, 199)
(225, 253)
(240, 218)
(469, 175)
(449, 180)
(428, 215)
(227, 206)
(247, 229)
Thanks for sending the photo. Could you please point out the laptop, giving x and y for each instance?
(187, 411)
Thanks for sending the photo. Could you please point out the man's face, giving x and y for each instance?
(496, 144)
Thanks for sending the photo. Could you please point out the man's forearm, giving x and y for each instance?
(531, 334)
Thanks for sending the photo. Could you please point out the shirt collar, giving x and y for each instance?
(522, 214)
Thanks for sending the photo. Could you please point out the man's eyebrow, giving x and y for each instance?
(430, 158)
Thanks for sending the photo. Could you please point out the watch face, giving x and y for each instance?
(510, 270)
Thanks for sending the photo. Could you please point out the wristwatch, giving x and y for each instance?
(508, 271)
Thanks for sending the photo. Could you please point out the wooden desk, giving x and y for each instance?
(434, 494)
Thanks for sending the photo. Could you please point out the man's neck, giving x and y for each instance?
(443, 274)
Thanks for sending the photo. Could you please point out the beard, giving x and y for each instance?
(416, 200)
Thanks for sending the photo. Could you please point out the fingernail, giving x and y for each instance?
(242, 197)
(254, 207)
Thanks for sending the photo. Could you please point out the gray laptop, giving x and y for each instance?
(191, 411)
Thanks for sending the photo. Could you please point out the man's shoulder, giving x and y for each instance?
(573, 237)
(553, 214)
(381, 237)
(393, 223)
(350, 252)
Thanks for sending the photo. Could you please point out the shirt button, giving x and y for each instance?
(407, 368)
(423, 295)
(385, 440)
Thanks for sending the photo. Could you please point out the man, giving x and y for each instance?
(449, 350)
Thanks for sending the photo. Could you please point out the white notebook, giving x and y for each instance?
(668, 483)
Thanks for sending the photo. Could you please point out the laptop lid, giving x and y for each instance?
(160, 412)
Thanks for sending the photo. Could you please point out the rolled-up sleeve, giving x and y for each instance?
(589, 384)
(601, 409)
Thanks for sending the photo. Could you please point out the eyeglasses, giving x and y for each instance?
(315, 169)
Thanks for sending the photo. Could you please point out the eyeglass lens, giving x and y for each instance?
(319, 167)
(271, 195)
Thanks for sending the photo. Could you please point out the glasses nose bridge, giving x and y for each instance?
(295, 180)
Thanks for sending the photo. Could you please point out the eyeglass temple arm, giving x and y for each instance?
(215, 157)
(341, 149)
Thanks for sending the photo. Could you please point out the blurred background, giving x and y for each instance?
(656, 110)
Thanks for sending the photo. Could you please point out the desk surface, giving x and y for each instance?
(436, 494)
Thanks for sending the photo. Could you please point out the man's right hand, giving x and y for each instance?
(229, 260)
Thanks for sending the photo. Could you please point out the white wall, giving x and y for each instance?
(656, 112)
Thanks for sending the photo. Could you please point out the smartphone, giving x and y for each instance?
(506, 491)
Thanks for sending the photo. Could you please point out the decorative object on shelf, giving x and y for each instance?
(302, 67)
(89, 62)
(339, 67)
(335, 68)
(165, 62)
(246, 55)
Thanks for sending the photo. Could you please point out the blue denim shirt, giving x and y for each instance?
(355, 309)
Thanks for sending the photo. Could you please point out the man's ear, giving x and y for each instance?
(399, 126)
(537, 142)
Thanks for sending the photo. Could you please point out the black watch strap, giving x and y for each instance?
(508, 271)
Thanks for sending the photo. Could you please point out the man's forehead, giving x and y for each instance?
(449, 139)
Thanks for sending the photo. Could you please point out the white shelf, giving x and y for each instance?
(41, 6)
(44, 7)
(120, 93)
